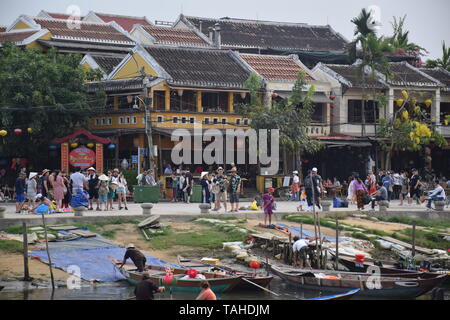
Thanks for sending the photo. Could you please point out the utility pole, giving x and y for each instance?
(148, 120)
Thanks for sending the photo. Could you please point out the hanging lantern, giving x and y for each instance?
(90, 145)
(30, 130)
(18, 131)
(243, 95)
(3, 133)
(192, 273)
(399, 102)
(74, 144)
(428, 102)
(111, 146)
(405, 94)
(254, 265)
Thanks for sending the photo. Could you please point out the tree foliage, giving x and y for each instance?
(45, 92)
(443, 62)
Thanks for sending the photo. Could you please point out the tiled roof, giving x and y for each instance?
(3, 28)
(59, 15)
(116, 85)
(165, 35)
(403, 74)
(200, 67)
(16, 36)
(125, 22)
(95, 32)
(107, 63)
(442, 75)
(240, 33)
(348, 75)
(275, 67)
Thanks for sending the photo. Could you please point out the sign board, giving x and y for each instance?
(82, 157)
(134, 159)
(143, 152)
(286, 181)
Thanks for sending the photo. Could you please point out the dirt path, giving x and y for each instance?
(389, 227)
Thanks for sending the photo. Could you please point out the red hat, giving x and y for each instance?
(271, 190)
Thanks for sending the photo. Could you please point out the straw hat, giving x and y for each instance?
(32, 175)
(103, 177)
(45, 171)
(295, 172)
(233, 169)
(114, 185)
(203, 174)
(220, 168)
(130, 246)
(116, 170)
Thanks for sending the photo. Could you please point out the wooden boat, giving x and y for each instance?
(341, 281)
(343, 296)
(219, 282)
(260, 280)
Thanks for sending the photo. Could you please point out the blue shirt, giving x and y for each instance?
(387, 181)
(20, 186)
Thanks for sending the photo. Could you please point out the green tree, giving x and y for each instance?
(291, 116)
(45, 92)
(443, 62)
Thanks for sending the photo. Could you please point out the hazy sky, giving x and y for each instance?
(427, 21)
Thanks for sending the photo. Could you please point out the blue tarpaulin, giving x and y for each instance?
(91, 256)
(306, 233)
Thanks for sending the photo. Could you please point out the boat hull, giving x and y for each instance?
(345, 296)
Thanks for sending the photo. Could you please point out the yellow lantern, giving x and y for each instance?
(446, 122)
(428, 102)
(399, 102)
(30, 130)
(405, 94)
(405, 115)
(413, 101)
(90, 145)
(3, 133)
(74, 145)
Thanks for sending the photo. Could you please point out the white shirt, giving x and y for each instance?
(300, 244)
(438, 191)
(78, 180)
(296, 179)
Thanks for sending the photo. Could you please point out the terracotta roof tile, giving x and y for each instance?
(59, 15)
(275, 35)
(124, 21)
(200, 67)
(87, 31)
(175, 36)
(275, 67)
(16, 36)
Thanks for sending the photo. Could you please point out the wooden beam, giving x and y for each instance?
(230, 102)
(167, 99)
(199, 101)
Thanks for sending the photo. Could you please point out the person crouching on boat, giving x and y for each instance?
(136, 256)
(206, 293)
(300, 248)
(145, 289)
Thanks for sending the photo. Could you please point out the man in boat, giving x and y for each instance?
(145, 289)
(206, 293)
(136, 256)
(300, 248)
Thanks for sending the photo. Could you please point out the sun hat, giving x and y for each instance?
(295, 172)
(39, 195)
(219, 168)
(116, 170)
(32, 175)
(272, 190)
(204, 173)
(314, 169)
(103, 177)
(233, 169)
(91, 169)
(130, 245)
(45, 171)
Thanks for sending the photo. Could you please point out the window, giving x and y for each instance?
(110, 102)
(355, 111)
(215, 102)
(318, 115)
(97, 122)
(224, 120)
(159, 100)
(206, 120)
(245, 122)
(192, 120)
(103, 121)
(215, 120)
(134, 120)
(126, 102)
(127, 120)
(121, 120)
(238, 121)
(175, 120)
(109, 121)
(183, 120)
(160, 119)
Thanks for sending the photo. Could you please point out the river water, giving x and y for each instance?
(121, 291)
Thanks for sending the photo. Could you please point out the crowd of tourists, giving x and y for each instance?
(58, 189)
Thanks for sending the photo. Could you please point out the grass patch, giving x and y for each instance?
(110, 234)
(360, 235)
(14, 230)
(423, 239)
(11, 246)
(440, 224)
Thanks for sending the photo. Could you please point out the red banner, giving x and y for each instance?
(82, 157)
(65, 157)
(99, 158)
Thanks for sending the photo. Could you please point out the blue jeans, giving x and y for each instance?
(434, 198)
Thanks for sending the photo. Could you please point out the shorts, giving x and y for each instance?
(120, 190)
(111, 194)
(93, 194)
(234, 197)
(20, 197)
(221, 196)
(302, 254)
(103, 198)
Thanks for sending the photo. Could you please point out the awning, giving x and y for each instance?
(319, 97)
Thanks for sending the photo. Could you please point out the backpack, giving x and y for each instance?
(308, 182)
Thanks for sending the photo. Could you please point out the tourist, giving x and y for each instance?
(268, 202)
(20, 192)
(371, 182)
(235, 184)
(380, 195)
(78, 180)
(206, 293)
(112, 187)
(32, 189)
(404, 190)
(187, 186)
(303, 196)
(360, 191)
(388, 182)
(300, 248)
(351, 197)
(168, 169)
(295, 186)
(174, 179)
(103, 191)
(312, 188)
(397, 188)
(220, 189)
(51, 185)
(336, 182)
(145, 288)
(59, 189)
(93, 185)
(150, 178)
(414, 184)
(122, 191)
(380, 176)
(206, 186)
(136, 256)
(437, 194)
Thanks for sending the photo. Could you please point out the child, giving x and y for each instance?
(268, 202)
(103, 191)
(302, 199)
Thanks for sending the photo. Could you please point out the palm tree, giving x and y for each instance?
(444, 62)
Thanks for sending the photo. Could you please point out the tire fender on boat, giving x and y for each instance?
(407, 283)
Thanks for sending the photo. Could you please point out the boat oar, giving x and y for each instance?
(257, 285)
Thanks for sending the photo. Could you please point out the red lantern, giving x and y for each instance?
(332, 97)
(192, 273)
(168, 279)
(17, 131)
(254, 265)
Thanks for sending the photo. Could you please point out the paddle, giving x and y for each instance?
(256, 285)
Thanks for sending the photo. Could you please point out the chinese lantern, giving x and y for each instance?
(30, 130)
(170, 280)
(90, 145)
(254, 265)
(399, 102)
(405, 94)
(3, 133)
(192, 273)
(112, 146)
(74, 145)
(428, 102)
(17, 131)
